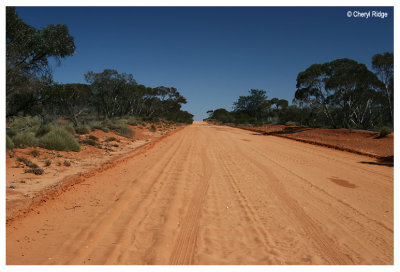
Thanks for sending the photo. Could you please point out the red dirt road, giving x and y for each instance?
(217, 195)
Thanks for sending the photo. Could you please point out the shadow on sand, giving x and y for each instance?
(384, 161)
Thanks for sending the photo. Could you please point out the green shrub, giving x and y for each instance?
(59, 139)
(99, 125)
(116, 125)
(134, 121)
(83, 129)
(67, 163)
(36, 171)
(25, 139)
(122, 129)
(9, 142)
(24, 123)
(35, 153)
(89, 142)
(33, 165)
(27, 162)
(96, 124)
(110, 139)
(24, 160)
(43, 130)
(69, 128)
(92, 137)
(385, 131)
(153, 128)
(47, 163)
(11, 132)
(106, 122)
(290, 123)
(125, 131)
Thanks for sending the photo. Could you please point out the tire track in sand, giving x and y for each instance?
(371, 230)
(157, 206)
(326, 245)
(183, 251)
(102, 224)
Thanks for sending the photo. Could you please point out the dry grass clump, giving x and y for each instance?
(59, 139)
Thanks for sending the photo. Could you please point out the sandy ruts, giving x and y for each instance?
(218, 195)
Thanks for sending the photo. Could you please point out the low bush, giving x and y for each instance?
(134, 121)
(126, 132)
(102, 125)
(43, 130)
(11, 132)
(35, 153)
(27, 162)
(110, 139)
(384, 131)
(36, 171)
(20, 124)
(290, 123)
(69, 128)
(115, 125)
(83, 129)
(96, 124)
(89, 142)
(47, 163)
(121, 128)
(33, 165)
(107, 123)
(59, 139)
(153, 128)
(25, 139)
(9, 142)
(24, 160)
(67, 163)
(92, 137)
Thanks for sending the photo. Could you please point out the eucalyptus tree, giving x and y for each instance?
(109, 91)
(72, 101)
(311, 89)
(28, 49)
(354, 91)
(384, 69)
(255, 104)
(27, 59)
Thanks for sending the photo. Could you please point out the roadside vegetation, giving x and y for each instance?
(338, 94)
(41, 112)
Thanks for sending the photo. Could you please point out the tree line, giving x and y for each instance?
(338, 94)
(31, 91)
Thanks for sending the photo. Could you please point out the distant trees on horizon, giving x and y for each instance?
(338, 94)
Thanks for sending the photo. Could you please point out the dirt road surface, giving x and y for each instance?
(217, 195)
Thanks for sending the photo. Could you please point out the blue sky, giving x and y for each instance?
(213, 54)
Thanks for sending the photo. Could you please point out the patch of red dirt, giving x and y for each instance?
(356, 141)
(23, 188)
